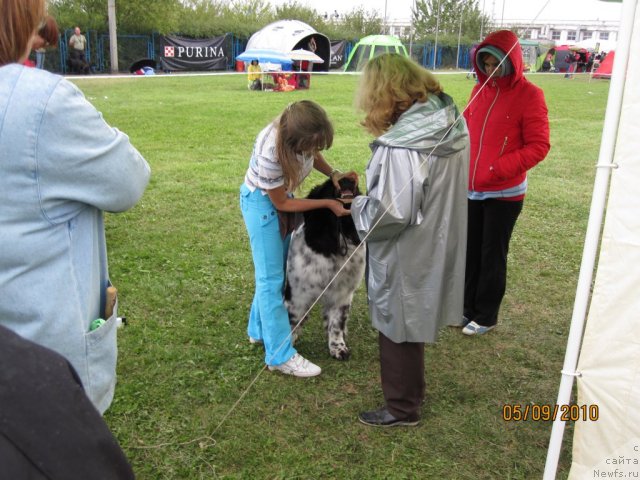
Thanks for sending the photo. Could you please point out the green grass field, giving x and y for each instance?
(182, 264)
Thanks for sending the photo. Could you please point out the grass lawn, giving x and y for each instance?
(182, 264)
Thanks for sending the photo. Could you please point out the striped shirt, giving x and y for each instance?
(265, 171)
(517, 191)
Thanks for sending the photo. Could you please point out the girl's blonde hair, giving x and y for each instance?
(303, 127)
(18, 23)
(390, 84)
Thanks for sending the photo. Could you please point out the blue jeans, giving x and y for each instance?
(269, 319)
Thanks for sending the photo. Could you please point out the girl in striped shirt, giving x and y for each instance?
(284, 154)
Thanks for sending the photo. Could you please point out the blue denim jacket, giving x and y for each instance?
(61, 166)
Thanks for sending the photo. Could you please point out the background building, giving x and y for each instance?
(599, 35)
(588, 33)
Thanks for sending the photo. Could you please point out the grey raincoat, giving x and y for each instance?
(414, 219)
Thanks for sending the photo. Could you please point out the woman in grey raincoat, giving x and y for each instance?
(414, 220)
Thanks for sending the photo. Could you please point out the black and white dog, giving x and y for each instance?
(318, 249)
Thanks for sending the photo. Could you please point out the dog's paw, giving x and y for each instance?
(340, 352)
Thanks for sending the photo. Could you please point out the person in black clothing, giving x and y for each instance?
(547, 64)
(49, 429)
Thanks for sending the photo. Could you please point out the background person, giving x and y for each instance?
(46, 37)
(48, 426)
(254, 75)
(312, 46)
(62, 167)
(77, 59)
(284, 154)
(415, 215)
(508, 137)
(572, 58)
(547, 64)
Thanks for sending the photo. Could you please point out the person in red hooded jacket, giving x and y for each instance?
(509, 132)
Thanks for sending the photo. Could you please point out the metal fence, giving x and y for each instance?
(135, 47)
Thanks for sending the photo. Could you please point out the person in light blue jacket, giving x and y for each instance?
(61, 167)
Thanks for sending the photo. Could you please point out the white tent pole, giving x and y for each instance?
(596, 213)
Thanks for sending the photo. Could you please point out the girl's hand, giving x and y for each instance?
(338, 209)
(335, 178)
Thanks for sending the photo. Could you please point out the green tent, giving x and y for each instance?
(372, 46)
(533, 52)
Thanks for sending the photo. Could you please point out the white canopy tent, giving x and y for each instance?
(606, 361)
(288, 35)
(599, 45)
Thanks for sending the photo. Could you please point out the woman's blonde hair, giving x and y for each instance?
(303, 127)
(18, 23)
(390, 84)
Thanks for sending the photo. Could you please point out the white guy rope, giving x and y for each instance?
(246, 390)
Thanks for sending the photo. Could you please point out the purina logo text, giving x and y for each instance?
(194, 52)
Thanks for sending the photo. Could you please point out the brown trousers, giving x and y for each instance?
(402, 376)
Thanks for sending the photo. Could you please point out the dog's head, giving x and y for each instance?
(324, 232)
(348, 189)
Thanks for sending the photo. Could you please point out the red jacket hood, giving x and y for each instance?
(506, 41)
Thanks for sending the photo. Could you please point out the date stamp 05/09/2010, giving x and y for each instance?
(550, 412)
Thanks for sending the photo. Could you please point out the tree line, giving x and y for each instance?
(205, 18)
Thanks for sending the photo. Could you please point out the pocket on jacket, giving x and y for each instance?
(102, 356)
(378, 291)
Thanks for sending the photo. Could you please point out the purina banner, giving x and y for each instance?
(180, 53)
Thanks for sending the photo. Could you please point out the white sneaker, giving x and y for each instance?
(298, 366)
(472, 328)
(255, 341)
